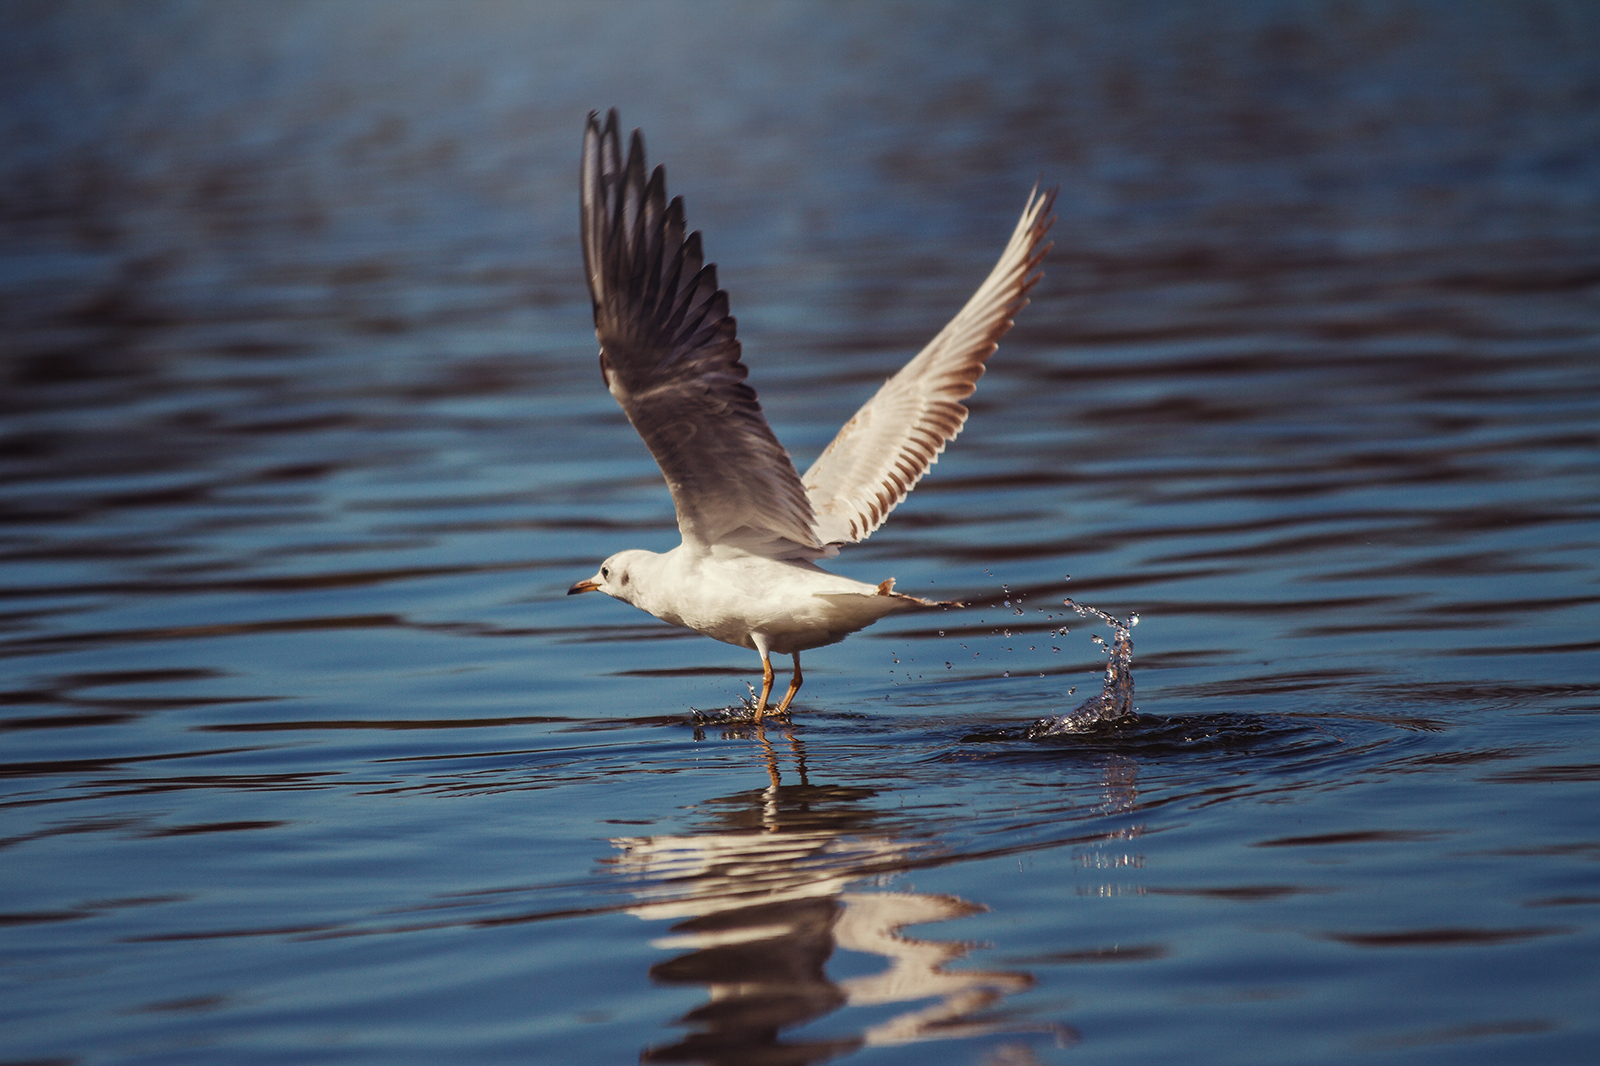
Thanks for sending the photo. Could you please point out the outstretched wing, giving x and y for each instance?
(669, 353)
(886, 447)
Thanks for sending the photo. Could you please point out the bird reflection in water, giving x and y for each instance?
(760, 902)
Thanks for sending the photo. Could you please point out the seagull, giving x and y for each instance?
(752, 526)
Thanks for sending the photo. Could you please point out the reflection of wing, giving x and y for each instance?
(670, 355)
(688, 875)
(872, 924)
(884, 450)
(758, 913)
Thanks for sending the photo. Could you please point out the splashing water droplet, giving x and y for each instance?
(1115, 699)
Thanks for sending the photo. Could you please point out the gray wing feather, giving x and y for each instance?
(669, 353)
(886, 447)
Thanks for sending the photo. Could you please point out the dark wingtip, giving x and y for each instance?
(594, 125)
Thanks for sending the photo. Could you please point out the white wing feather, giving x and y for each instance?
(889, 444)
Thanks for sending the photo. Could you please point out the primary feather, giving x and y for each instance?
(669, 352)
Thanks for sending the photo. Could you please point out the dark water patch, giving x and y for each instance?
(73, 641)
(99, 678)
(1413, 625)
(66, 721)
(1476, 693)
(1524, 649)
(191, 1004)
(1278, 684)
(736, 717)
(614, 634)
(354, 578)
(79, 767)
(41, 917)
(1243, 893)
(315, 724)
(557, 525)
(1564, 901)
(210, 827)
(1454, 565)
(1353, 836)
(1547, 775)
(1457, 1034)
(1452, 759)
(1447, 937)
(228, 934)
(687, 671)
(1581, 849)
(1154, 736)
(1115, 953)
(85, 549)
(1540, 606)
(1395, 530)
(300, 781)
(1396, 719)
(1158, 608)
(87, 825)
(308, 471)
(81, 709)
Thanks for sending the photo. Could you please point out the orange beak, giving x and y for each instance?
(586, 585)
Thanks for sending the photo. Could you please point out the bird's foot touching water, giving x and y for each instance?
(739, 716)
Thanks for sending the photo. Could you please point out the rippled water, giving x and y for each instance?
(308, 758)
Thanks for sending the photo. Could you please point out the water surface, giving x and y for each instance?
(308, 758)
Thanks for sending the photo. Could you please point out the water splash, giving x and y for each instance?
(1115, 699)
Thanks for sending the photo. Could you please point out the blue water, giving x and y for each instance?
(308, 758)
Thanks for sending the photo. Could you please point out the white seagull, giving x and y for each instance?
(752, 526)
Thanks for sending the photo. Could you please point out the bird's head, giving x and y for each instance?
(615, 577)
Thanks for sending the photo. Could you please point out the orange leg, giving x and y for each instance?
(766, 683)
(794, 685)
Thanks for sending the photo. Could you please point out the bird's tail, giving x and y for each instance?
(886, 588)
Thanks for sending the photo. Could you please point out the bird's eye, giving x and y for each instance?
(605, 573)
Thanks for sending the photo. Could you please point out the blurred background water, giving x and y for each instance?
(307, 758)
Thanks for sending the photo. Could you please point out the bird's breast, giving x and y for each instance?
(794, 607)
